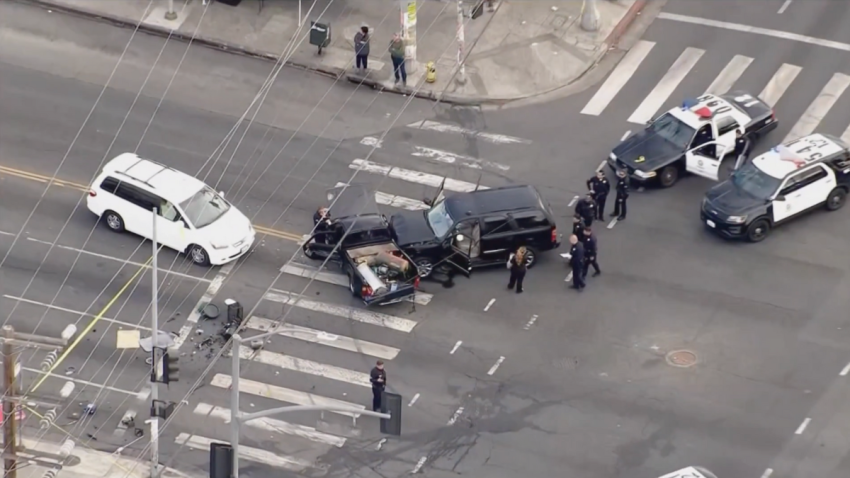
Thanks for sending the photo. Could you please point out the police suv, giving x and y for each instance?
(787, 181)
(693, 138)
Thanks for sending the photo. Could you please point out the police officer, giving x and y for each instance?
(600, 187)
(378, 377)
(622, 189)
(586, 209)
(578, 225)
(577, 262)
(322, 224)
(742, 149)
(590, 251)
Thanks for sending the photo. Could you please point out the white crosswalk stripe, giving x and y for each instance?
(453, 129)
(307, 272)
(846, 136)
(730, 74)
(413, 176)
(618, 78)
(253, 454)
(779, 83)
(818, 109)
(391, 200)
(665, 87)
(456, 159)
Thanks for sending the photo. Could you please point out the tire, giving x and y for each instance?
(668, 176)
(424, 266)
(310, 254)
(351, 284)
(198, 255)
(758, 230)
(531, 257)
(836, 199)
(113, 221)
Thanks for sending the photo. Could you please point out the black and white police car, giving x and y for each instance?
(693, 138)
(779, 185)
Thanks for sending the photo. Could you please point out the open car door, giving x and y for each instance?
(438, 197)
(702, 162)
(465, 247)
(321, 246)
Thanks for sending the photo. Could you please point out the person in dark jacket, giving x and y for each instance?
(378, 377)
(361, 47)
(590, 252)
(622, 189)
(578, 225)
(322, 223)
(517, 266)
(586, 209)
(600, 187)
(577, 262)
(742, 149)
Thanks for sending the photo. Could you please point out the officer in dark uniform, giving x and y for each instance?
(742, 149)
(322, 224)
(622, 189)
(578, 225)
(378, 378)
(577, 262)
(586, 209)
(600, 187)
(590, 251)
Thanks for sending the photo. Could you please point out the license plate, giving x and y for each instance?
(711, 224)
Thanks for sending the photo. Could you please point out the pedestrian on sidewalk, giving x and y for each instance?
(517, 266)
(361, 48)
(397, 56)
(378, 377)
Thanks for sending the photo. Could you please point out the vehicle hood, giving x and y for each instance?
(411, 227)
(646, 151)
(727, 199)
(229, 229)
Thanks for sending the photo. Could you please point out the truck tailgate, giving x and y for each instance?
(401, 293)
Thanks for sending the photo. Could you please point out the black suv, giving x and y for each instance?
(476, 229)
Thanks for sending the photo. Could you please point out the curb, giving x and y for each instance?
(376, 84)
(623, 25)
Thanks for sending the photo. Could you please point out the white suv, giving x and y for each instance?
(192, 218)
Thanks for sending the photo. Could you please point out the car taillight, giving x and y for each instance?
(554, 235)
(92, 193)
(366, 291)
(773, 115)
(416, 282)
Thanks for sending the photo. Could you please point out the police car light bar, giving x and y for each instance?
(704, 112)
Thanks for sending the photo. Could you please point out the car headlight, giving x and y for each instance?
(644, 175)
(737, 219)
(218, 245)
(612, 157)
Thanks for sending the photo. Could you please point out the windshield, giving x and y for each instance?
(439, 219)
(673, 130)
(755, 182)
(204, 207)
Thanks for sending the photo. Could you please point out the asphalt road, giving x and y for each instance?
(585, 389)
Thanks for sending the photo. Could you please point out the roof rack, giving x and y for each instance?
(145, 181)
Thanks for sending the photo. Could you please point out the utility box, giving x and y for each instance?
(320, 35)
(221, 460)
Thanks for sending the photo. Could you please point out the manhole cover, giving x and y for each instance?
(681, 358)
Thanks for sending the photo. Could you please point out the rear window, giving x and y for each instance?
(109, 184)
(372, 235)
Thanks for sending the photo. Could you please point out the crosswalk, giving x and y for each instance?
(323, 352)
(668, 90)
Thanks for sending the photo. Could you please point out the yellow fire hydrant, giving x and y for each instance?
(430, 72)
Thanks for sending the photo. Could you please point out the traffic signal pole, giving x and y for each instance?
(237, 418)
(156, 356)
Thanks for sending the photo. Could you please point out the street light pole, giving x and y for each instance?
(461, 39)
(589, 16)
(170, 14)
(156, 357)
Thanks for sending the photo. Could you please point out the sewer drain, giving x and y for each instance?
(682, 358)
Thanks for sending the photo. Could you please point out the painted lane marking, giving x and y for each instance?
(757, 30)
(252, 454)
(457, 346)
(730, 74)
(410, 176)
(625, 135)
(803, 426)
(784, 7)
(272, 425)
(117, 259)
(845, 370)
(530, 322)
(357, 315)
(489, 304)
(569, 276)
(415, 398)
(846, 135)
(573, 201)
(449, 128)
(75, 312)
(4, 233)
(394, 201)
(320, 337)
(205, 299)
(341, 280)
(454, 417)
(456, 159)
(65, 378)
(372, 141)
(601, 166)
(282, 394)
(767, 473)
(612, 223)
(618, 78)
(496, 366)
(818, 109)
(419, 465)
(296, 364)
(779, 83)
(665, 87)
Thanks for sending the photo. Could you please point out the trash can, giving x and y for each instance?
(320, 35)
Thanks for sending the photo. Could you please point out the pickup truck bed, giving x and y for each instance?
(381, 273)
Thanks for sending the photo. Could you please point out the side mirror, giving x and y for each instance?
(428, 202)
(779, 198)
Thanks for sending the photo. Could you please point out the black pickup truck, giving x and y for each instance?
(358, 239)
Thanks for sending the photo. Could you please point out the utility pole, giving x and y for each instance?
(170, 14)
(589, 16)
(461, 39)
(156, 352)
(11, 340)
(408, 33)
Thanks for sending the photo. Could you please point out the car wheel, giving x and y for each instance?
(530, 257)
(424, 266)
(668, 176)
(199, 256)
(310, 253)
(114, 221)
(836, 199)
(351, 284)
(758, 230)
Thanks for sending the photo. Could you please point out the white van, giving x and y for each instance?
(192, 217)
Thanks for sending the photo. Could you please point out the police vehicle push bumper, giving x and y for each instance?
(722, 226)
(635, 175)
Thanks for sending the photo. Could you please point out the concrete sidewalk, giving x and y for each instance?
(520, 50)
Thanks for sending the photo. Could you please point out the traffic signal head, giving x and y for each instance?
(170, 369)
(391, 403)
